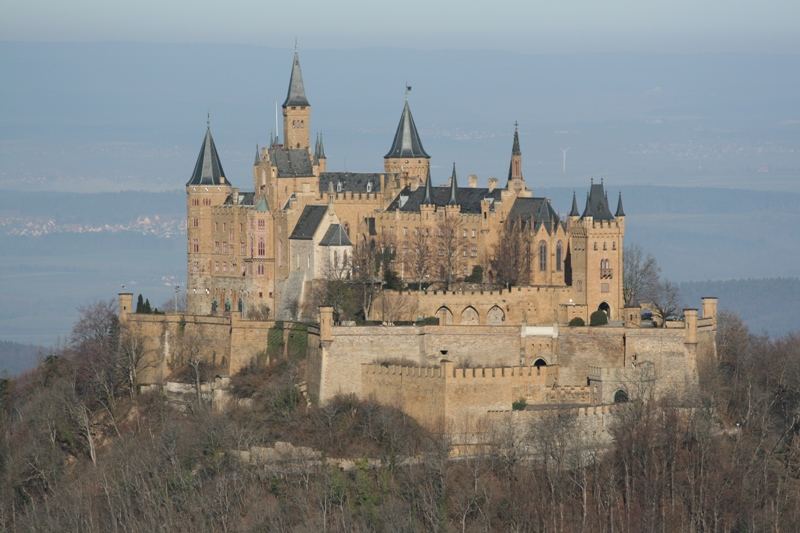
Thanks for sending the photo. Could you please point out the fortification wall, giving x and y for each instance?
(339, 361)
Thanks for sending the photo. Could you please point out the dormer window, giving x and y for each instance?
(369, 186)
(338, 186)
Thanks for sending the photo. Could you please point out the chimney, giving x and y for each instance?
(492, 184)
(473, 181)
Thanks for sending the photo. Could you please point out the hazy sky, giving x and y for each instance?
(529, 26)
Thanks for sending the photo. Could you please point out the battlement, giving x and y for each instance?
(448, 372)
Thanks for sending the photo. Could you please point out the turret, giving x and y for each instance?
(515, 182)
(406, 155)
(453, 188)
(296, 110)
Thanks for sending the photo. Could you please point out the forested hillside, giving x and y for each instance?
(82, 450)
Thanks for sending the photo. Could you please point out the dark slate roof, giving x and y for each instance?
(597, 203)
(453, 187)
(335, 236)
(620, 211)
(468, 198)
(574, 211)
(515, 147)
(262, 206)
(321, 149)
(291, 162)
(296, 96)
(309, 221)
(245, 198)
(534, 211)
(351, 181)
(406, 139)
(257, 160)
(208, 169)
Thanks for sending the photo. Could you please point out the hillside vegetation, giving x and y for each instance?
(81, 450)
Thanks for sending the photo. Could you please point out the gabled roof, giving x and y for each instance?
(208, 168)
(597, 203)
(468, 198)
(406, 142)
(296, 96)
(262, 206)
(350, 181)
(534, 212)
(335, 236)
(309, 222)
(291, 162)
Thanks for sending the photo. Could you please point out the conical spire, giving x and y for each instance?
(586, 209)
(620, 211)
(453, 187)
(316, 150)
(208, 169)
(515, 147)
(574, 211)
(321, 148)
(428, 199)
(257, 160)
(406, 142)
(296, 96)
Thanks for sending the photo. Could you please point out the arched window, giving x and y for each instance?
(559, 256)
(542, 256)
(369, 186)
(620, 396)
(261, 248)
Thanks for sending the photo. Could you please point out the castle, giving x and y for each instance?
(301, 222)
(254, 257)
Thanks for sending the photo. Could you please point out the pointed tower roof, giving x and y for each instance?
(208, 169)
(321, 148)
(297, 92)
(257, 160)
(453, 187)
(620, 211)
(428, 199)
(406, 139)
(574, 211)
(316, 150)
(515, 147)
(597, 203)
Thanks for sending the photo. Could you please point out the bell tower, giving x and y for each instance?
(296, 111)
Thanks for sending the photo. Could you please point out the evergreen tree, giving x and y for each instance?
(147, 309)
(140, 304)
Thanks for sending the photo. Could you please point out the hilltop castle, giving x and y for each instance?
(263, 248)
(495, 343)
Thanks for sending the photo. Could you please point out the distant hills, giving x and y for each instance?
(16, 358)
(766, 305)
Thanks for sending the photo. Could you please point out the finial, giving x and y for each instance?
(295, 44)
(208, 119)
(516, 125)
(407, 90)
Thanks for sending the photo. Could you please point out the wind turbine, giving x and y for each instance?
(564, 160)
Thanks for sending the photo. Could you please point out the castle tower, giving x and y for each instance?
(206, 189)
(406, 154)
(296, 111)
(515, 182)
(596, 246)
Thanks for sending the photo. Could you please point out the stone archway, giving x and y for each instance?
(539, 363)
(621, 396)
(495, 316)
(605, 308)
(444, 315)
(469, 316)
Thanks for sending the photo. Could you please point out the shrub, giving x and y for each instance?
(519, 405)
(598, 318)
(476, 276)
(577, 321)
(428, 321)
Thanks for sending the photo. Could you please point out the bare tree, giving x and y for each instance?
(641, 276)
(418, 257)
(512, 254)
(449, 247)
(666, 300)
